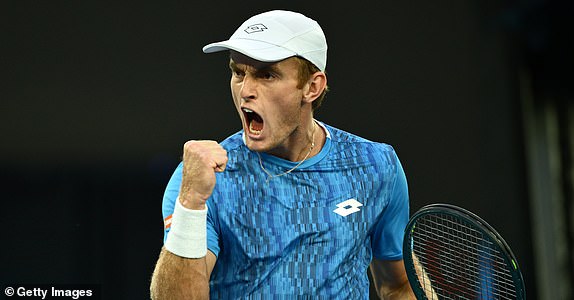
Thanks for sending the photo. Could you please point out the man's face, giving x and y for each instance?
(269, 103)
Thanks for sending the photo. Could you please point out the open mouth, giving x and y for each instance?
(254, 121)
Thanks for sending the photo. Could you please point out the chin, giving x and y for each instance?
(255, 146)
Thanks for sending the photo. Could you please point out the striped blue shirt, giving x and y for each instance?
(308, 234)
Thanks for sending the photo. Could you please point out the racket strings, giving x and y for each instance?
(471, 245)
(459, 262)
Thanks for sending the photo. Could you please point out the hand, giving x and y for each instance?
(201, 159)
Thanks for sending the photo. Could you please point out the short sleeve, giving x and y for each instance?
(387, 239)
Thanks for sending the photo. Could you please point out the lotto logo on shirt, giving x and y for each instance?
(348, 207)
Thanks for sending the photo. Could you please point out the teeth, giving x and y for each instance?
(253, 130)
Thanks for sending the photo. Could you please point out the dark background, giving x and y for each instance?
(97, 99)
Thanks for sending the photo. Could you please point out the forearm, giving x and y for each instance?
(400, 293)
(390, 280)
(177, 277)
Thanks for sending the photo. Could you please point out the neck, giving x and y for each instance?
(313, 150)
(303, 148)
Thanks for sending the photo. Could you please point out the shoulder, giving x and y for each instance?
(233, 142)
(237, 152)
(346, 142)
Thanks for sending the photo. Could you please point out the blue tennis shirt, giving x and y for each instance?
(308, 234)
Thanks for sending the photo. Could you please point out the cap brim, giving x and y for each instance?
(257, 50)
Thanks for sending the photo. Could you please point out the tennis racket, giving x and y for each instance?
(451, 253)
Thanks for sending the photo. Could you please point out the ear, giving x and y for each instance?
(314, 87)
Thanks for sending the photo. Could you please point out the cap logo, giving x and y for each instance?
(255, 28)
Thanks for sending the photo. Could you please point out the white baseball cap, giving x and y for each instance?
(276, 35)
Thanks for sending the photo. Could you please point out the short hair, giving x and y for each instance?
(306, 70)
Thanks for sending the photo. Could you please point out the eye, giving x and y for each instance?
(238, 73)
(267, 75)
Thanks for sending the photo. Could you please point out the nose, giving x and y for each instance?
(248, 88)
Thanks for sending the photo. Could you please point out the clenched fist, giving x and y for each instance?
(201, 159)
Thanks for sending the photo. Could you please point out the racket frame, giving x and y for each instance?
(473, 220)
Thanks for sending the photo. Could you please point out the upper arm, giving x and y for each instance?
(387, 236)
(390, 279)
(169, 197)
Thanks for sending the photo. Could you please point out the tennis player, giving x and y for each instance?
(288, 207)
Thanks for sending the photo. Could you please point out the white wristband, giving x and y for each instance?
(188, 234)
